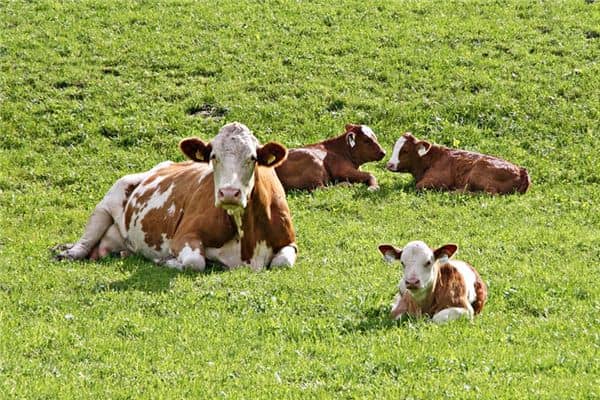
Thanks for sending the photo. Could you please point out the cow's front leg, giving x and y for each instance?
(356, 176)
(452, 313)
(286, 257)
(185, 253)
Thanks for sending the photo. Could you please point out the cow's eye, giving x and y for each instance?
(253, 158)
(213, 158)
(402, 262)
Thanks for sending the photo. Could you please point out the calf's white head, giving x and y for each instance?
(234, 154)
(420, 263)
(407, 152)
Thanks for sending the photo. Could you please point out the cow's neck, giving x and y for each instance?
(237, 216)
(257, 213)
(425, 299)
(339, 145)
(418, 169)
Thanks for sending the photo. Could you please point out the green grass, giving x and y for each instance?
(91, 91)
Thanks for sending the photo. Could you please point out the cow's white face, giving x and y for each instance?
(420, 264)
(233, 154)
(233, 158)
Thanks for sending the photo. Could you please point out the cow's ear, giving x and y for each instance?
(390, 253)
(423, 147)
(271, 154)
(351, 127)
(445, 251)
(195, 149)
(351, 138)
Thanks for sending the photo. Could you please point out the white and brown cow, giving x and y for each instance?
(434, 285)
(333, 160)
(226, 205)
(439, 167)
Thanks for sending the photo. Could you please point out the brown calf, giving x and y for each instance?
(438, 167)
(433, 285)
(333, 160)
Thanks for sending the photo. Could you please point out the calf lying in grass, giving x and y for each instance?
(333, 160)
(438, 167)
(434, 285)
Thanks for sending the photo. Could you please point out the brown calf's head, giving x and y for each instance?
(234, 154)
(420, 263)
(363, 144)
(408, 152)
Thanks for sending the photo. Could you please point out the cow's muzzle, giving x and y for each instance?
(392, 167)
(229, 196)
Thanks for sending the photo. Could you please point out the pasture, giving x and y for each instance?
(93, 90)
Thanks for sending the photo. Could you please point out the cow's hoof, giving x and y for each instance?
(61, 251)
(373, 188)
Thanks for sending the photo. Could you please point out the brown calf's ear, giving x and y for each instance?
(447, 250)
(271, 154)
(351, 127)
(423, 147)
(195, 149)
(390, 253)
(351, 138)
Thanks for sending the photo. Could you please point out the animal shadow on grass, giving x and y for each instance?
(385, 190)
(148, 277)
(372, 319)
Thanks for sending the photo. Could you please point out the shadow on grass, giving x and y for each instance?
(148, 277)
(373, 319)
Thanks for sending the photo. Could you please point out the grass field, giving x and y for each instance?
(93, 90)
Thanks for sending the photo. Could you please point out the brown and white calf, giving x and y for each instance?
(225, 205)
(434, 285)
(438, 167)
(332, 161)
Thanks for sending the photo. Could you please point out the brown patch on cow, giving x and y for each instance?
(305, 169)
(267, 217)
(449, 291)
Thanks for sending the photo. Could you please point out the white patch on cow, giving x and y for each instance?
(469, 277)
(452, 313)
(171, 210)
(368, 132)
(191, 258)
(395, 158)
(230, 255)
(286, 257)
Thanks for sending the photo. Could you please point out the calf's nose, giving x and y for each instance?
(391, 166)
(412, 283)
(229, 195)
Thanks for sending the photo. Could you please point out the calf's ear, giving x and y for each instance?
(446, 250)
(271, 154)
(351, 138)
(390, 253)
(423, 147)
(195, 149)
(351, 127)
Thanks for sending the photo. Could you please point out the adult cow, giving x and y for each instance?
(225, 205)
(333, 160)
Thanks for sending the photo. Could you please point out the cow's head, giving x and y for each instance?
(363, 144)
(420, 263)
(407, 153)
(233, 153)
